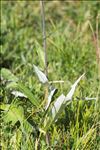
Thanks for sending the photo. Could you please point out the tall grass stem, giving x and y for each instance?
(44, 35)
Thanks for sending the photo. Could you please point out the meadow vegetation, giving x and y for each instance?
(73, 83)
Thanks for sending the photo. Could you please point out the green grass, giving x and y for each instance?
(25, 124)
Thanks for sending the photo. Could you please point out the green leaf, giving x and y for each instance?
(27, 93)
(26, 127)
(11, 85)
(13, 113)
(7, 75)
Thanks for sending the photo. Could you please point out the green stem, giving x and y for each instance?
(44, 35)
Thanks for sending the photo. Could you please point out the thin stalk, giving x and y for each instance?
(45, 55)
(97, 42)
(44, 35)
(44, 45)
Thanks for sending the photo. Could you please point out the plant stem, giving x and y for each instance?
(44, 35)
(97, 42)
(44, 45)
(45, 55)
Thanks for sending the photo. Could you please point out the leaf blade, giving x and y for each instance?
(41, 76)
(27, 93)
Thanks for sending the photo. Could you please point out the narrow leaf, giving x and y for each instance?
(71, 92)
(90, 98)
(42, 77)
(23, 91)
(27, 93)
(57, 105)
(18, 94)
(52, 92)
